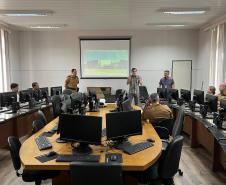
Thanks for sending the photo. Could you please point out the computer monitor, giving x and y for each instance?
(56, 90)
(82, 129)
(168, 94)
(173, 94)
(126, 105)
(186, 95)
(120, 125)
(25, 95)
(45, 92)
(211, 102)
(7, 98)
(198, 97)
(162, 93)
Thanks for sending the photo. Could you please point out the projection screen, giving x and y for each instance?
(104, 58)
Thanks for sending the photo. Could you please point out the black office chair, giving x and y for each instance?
(67, 91)
(56, 102)
(164, 127)
(42, 116)
(85, 173)
(143, 94)
(118, 92)
(37, 125)
(27, 175)
(169, 162)
(178, 125)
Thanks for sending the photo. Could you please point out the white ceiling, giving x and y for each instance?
(112, 14)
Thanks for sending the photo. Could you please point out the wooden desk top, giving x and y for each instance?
(136, 162)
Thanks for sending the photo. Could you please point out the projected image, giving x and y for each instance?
(106, 63)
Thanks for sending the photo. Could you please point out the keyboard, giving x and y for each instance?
(134, 148)
(78, 158)
(43, 143)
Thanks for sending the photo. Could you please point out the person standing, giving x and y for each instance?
(134, 81)
(72, 81)
(167, 81)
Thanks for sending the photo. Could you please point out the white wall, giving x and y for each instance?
(48, 56)
(14, 58)
(201, 67)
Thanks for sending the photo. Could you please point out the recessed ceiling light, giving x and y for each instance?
(25, 13)
(184, 11)
(165, 25)
(47, 26)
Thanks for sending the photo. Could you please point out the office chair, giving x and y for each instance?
(178, 125)
(42, 117)
(169, 162)
(118, 92)
(143, 94)
(37, 125)
(56, 102)
(164, 128)
(67, 91)
(85, 173)
(27, 175)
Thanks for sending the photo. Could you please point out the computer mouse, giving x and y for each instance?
(50, 154)
(113, 158)
(151, 140)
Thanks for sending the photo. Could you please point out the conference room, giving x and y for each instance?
(117, 92)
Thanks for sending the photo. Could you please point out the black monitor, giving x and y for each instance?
(82, 129)
(185, 95)
(212, 102)
(56, 90)
(120, 125)
(126, 105)
(162, 93)
(45, 92)
(198, 97)
(173, 94)
(25, 95)
(7, 98)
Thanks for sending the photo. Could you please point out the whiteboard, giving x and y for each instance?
(182, 74)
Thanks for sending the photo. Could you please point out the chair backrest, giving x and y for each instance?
(167, 123)
(178, 124)
(85, 173)
(169, 163)
(118, 92)
(42, 116)
(143, 93)
(56, 102)
(37, 125)
(14, 146)
(67, 91)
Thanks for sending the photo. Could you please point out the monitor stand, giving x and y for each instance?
(82, 149)
(121, 142)
(58, 140)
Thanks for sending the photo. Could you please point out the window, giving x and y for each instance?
(217, 56)
(4, 61)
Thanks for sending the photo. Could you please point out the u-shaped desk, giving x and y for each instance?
(137, 162)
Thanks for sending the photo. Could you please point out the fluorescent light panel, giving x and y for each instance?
(197, 12)
(25, 13)
(47, 26)
(166, 25)
(184, 11)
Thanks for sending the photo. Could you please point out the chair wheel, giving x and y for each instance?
(180, 172)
